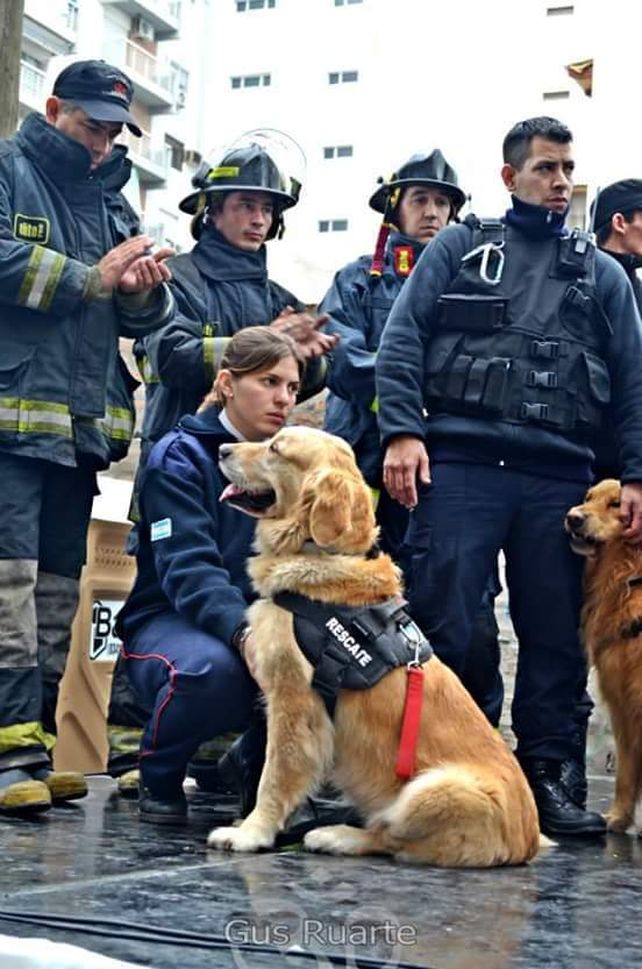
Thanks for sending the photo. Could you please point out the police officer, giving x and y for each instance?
(418, 200)
(74, 275)
(512, 335)
(618, 227)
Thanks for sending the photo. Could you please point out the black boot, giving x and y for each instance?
(558, 813)
(160, 810)
(240, 768)
(573, 778)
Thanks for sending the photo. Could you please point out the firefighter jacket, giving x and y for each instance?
(513, 352)
(358, 305)
(192, 549)
(219, 289)
(58, 344)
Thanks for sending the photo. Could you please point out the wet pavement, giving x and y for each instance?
(576, 907)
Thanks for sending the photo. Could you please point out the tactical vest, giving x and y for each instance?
(353, 647)
(520, 334)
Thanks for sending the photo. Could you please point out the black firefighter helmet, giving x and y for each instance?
(245, 168)
(432, 169)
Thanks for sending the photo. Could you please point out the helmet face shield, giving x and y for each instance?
(259, 161)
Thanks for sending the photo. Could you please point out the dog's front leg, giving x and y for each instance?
(299, 754)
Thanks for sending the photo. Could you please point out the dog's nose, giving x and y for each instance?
(575, 520)
(225, 450)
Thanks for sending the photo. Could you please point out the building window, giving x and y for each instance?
(243, 5)
(343, 77)
(333, 225)
(176, 152)
(559, 11)
(343, 3)
(251, 80)
(556, 95)
(178, 84)
(338, 151)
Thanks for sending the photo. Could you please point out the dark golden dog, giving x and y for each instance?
(468, 803)
(612, 632)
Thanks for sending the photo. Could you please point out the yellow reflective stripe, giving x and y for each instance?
(375, 494)
(49, 739)
(118, 423)
(31, 416)
(213, 350)
(145, 370)
(208, 356)
(41, 278)
(18, 735)
(374, 406)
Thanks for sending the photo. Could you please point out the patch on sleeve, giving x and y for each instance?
(161, 529)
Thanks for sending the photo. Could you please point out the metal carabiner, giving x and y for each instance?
(489, 249)
(486, 251)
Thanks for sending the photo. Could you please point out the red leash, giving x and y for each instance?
(406, 757)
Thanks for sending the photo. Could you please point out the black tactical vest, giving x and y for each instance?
(353, 647)
(520, 334)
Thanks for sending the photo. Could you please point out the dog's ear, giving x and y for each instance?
(341, 513)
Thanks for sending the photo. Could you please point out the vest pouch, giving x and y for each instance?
(596, 392)
(472, 314)
(494, 396)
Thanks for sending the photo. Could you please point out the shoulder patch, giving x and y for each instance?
(161, 529)
(31, 228)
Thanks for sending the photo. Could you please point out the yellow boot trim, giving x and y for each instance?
(25, 797)
(65, 785)
(128, 783)
(20, 735)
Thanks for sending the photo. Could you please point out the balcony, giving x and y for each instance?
(151, 85)
(50, 26)
(159, 13)
(32, 87)
(152, 163)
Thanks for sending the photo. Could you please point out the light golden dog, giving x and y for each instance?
(612, 632)
(469, 803)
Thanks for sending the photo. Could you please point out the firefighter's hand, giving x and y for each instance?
(306, 331)
(146, 273)
(118, 260)
(406, 460)
(631, 511)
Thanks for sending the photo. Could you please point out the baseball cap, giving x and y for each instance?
(103, 91)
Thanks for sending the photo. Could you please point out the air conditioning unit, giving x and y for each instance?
(141, 29)
(192, 157)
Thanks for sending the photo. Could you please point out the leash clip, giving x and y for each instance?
(413, 635)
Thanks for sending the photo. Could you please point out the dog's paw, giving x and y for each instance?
(239, 839)
(335, 839)
(618, 823)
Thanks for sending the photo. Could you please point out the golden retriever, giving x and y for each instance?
(612, 632)
(468, 804)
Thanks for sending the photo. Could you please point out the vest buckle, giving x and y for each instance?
(533, 412)
(545, 378)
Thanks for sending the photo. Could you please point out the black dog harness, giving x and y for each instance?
(353, 647)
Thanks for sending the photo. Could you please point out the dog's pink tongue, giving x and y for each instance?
(230, 491)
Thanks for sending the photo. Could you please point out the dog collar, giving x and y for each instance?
(309, 546)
